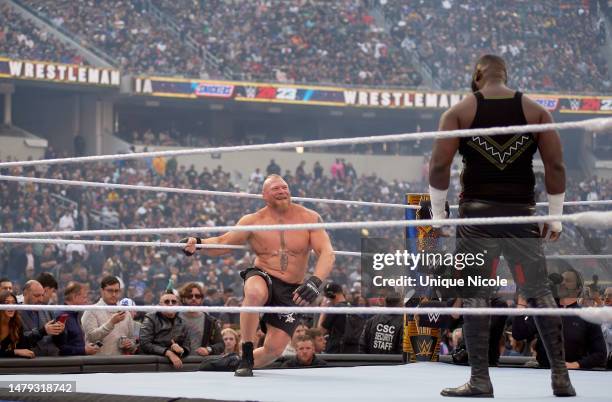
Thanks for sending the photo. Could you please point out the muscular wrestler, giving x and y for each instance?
(498, 180)
(277, 278)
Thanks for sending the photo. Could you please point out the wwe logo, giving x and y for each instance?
(424, 347)
(575, 104)
(433, 317)
(251, 92)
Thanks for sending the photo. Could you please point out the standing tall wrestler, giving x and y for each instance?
(277, 277)
(498, 180)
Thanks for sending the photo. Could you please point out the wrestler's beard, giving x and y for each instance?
(281, 205)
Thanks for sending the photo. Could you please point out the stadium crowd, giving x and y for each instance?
(449, 35)
(127, 32)
(296, 41)
(339, 43)
(21, 38)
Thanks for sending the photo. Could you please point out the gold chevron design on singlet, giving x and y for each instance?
(501, 155)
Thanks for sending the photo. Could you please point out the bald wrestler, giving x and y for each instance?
(277, 277)
(498, 180)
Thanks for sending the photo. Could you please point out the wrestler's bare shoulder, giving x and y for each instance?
(250, 219)
(306, 215)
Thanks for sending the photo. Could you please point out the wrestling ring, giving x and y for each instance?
(419, 381)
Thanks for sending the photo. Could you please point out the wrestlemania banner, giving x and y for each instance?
(343, 97)
(59, 73)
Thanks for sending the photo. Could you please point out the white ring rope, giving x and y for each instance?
(200, 192)
(233, 247)
(602, 313)
(244, 195)
(598, 124)
(158, 243)
(591, 219)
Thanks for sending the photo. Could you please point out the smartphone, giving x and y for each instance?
(62, 318)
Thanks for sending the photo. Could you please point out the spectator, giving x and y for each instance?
(231, 320)
(71, 342)
(255, 181)
(383, 333)
(305, 355)
(317, 171)
(115, 330)
(165, 333)
(213, 298)
(49, 285)
(291, 348)
(273, 168)
(39, 325)
(14, 343)
(66, 222)
(47, 260)
(231, 341)
(204, 331)
(337, 170)
(594, 286)
(6, 284)
(317, 338)
(584, 344)
(76, 252)
(17, 264)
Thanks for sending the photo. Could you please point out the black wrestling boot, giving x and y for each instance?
(476, 336)
(551, 336)
(245, 369)
(229, 362)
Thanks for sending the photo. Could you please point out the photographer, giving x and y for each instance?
(344, 329)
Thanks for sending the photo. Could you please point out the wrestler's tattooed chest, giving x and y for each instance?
(284, 256)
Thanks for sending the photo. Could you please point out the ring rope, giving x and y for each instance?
(232, 246)
(601, 313)
(199, 192)
(593, 219)
(244, 195)
(597, 124)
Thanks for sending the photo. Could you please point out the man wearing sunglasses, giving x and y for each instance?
(204, 330)
(277, 277)
(164, 333)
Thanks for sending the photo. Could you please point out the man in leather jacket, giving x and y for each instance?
(165, 333)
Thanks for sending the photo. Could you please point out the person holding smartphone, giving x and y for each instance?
(71, 342)
(115, 330)
(13, 342)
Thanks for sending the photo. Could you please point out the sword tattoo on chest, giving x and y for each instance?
(284, 256)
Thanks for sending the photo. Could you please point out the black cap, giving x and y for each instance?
(332, 289)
